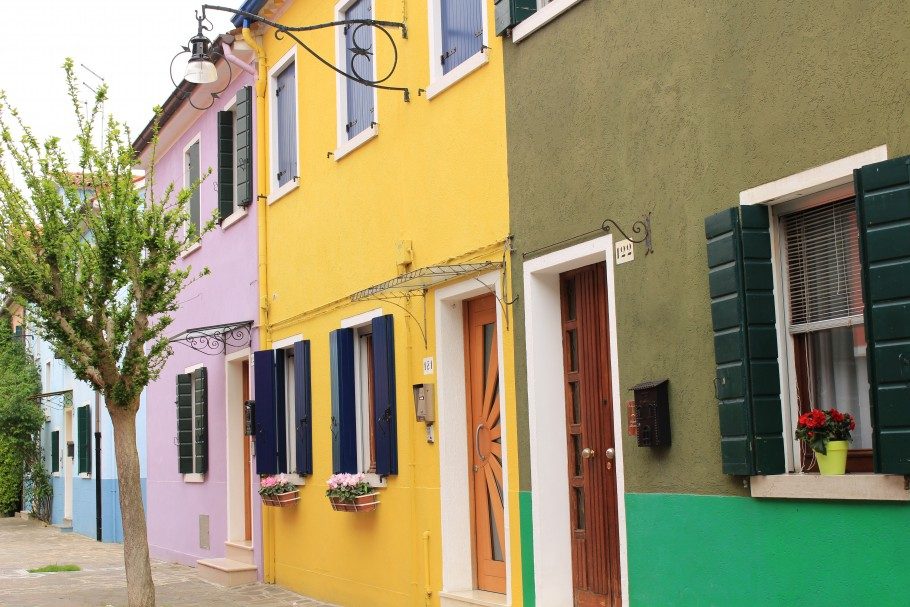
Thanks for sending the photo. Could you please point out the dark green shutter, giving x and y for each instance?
(84, 427)
(883, 219)
(185, 423)
(225, 165)
(55, 451)
(243, 127)
(201, 419)
(747, 382)
(510, 13)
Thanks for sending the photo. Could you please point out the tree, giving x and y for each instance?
(99, 272)
(21, 417)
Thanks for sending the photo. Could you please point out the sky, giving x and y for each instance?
(130, 43)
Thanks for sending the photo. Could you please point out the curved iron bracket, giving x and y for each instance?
(359, 53)
(641, 226)
(215, 339)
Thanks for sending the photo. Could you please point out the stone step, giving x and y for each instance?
(66, 526)
(240, 551)
(226, 572)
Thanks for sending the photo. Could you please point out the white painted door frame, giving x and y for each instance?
(546, 411)
(233, 414)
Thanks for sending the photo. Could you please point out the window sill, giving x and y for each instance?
(55, 474)
(467, 67)
(233, 218)
(375, 481)
(85, 475)
(191, 249)
(868, 487)
(352, 144)
(541, 18)
(284, 190)
(194, 478)
(295, 478)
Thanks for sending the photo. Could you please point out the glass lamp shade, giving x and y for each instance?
(201, 71)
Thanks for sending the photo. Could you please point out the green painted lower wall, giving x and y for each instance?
(527, 548)
(716, 550)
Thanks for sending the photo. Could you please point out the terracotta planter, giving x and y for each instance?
(361, 503)
(282, 500)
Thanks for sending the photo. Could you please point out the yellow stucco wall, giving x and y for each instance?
(435, 175)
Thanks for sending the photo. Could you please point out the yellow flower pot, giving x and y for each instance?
(835, 461)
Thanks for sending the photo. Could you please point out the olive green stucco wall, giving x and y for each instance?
(616, 109)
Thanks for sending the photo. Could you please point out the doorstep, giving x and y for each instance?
(226, 572)
(240, 551)
(471, 598)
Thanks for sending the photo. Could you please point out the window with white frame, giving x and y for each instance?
(461, 32)
(190, 177)
(283, 160)
(366, 409)
(356, 101)
(826, 344)
(290, 415)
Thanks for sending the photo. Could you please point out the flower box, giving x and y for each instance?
(281, 500)
(361, 503)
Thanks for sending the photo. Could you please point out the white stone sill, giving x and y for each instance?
(865, 487)
(281, 192)
(194, 478)
(469, 66)
(352, 144)
(540, 18)
(191, 249)
(472, 597)
(233, 218)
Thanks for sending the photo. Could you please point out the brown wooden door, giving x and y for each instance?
(247, 461)
(485, 443)
(589, 425)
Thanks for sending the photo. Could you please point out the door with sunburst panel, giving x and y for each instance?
(485, 443)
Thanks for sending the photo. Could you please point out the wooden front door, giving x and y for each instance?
(589, 431)
(485, 443)
(247, 461)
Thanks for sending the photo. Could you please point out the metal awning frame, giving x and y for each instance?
(215, 339)
(53, 399)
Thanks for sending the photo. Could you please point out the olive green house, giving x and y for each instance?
(709, 201)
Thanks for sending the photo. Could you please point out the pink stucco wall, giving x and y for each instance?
(228, 294)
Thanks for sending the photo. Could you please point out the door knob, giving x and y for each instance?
(611, 453)
(587, 453)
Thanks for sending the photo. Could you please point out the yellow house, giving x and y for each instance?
(385, 304)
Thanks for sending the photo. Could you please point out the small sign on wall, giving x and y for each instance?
(428, 365)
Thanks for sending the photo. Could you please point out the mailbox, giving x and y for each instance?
(70, 449)
(249, 418)
(423, 403)
(652, 413)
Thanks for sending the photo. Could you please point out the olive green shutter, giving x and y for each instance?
(55, 451)
(201, 419)
(747, 382)
(84, 427)
(243, 154)
(185, 423)
(225, 165)
(883, 219)
(510, 13)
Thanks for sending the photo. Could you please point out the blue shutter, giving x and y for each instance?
(883, 213)
(303, 407)
(344, 417)
(462, 31)
(286, 96)
(385, 436)
(281, 411)
(359, 96)
(264, 384)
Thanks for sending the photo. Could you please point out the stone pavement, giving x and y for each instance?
(101, 583)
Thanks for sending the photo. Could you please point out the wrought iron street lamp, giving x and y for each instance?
(201, 67)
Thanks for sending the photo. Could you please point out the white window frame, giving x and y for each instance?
(785, 195)
(345, 146)
(237, 212)
(439, 81)
(186, 174)
(276, 192)
(193, 477)
(546, 12)
(290, 427)
(360, 324)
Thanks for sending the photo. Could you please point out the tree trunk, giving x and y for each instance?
(140, 590)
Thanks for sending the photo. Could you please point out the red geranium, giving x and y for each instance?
(817, 427)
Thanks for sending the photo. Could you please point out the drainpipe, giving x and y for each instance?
(262, 184)
(97, 466)
(231, 57)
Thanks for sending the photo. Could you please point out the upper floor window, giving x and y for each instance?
(235, 190)
(190, 177)
(458, 37)
(283, 167)
(355, 54)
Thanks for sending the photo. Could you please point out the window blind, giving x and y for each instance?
(823, 265)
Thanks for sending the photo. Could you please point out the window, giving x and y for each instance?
(190, 177)
(364, 433)
(192, 421)
(47, 375)
(824, 301)
(55, 452)
(357, 117)
(458, 38)
(84, 438)
(285, 86)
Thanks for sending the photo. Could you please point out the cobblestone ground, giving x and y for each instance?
(101, 583)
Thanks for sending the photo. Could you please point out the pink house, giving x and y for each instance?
(203, 509)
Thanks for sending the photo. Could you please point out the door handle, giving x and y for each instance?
(477, 443)
(611, 453)
(587, 453)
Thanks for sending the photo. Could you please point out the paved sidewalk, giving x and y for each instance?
(27, 545)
